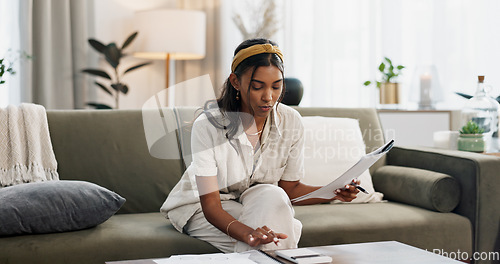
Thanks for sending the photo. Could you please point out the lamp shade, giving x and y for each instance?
(179, 33)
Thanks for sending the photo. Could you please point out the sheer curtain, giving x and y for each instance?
(55, 32)
(9, 47)
(333, 46)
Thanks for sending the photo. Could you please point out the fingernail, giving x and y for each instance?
(347, 186)
(264, 237)
(276, 240)
(251, 238)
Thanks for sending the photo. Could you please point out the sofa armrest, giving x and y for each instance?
(427, 189)
(477, 175)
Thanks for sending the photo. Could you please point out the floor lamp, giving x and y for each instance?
(167, 34)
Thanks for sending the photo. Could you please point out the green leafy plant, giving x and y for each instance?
(388, 72)
(5, 67)
(7, 63)
(471, 128)
(113, 55)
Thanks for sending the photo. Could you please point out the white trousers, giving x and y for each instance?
(262, 204)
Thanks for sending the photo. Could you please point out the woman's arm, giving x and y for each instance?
(222, 220)
(296, 189)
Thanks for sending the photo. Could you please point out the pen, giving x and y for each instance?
(389, 146)
(306, 256)
(359, 188)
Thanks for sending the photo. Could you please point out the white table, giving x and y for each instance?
(386, 252)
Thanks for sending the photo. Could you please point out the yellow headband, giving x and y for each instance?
(254, 50)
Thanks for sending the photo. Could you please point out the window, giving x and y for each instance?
(9, 46)
(333, 46)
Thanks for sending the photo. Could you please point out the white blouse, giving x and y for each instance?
(281, 157)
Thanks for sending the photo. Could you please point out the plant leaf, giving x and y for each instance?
(120, 87)
(388, 60)
(97, 45)
(113, 54)
(104, 88)
(125, 89)
(400, 67)
(99, 106)
(97, 73)
(137, 66)
(116, 86)
(367, 83)
(466, 95)
(381, 67)
(129, 40)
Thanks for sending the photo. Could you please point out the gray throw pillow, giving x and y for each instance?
(55, 206)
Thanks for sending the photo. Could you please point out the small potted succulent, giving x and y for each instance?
(389, 90)
(471, 138)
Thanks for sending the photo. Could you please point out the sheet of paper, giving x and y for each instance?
(327, 191)
(207, 259)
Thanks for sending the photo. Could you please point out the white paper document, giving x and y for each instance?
(217, 258)
(247, 257)
(327, 191)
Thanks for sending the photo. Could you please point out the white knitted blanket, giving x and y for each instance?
(26, 153)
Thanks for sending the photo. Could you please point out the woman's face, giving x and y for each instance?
(265, 89)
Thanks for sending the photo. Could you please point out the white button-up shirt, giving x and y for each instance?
(232, 161)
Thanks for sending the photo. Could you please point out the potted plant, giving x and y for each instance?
(113, 54)
(471, 138)
(389, 90)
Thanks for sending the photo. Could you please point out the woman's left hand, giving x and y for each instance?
(348, 193)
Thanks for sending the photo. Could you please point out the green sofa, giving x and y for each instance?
(108, 147)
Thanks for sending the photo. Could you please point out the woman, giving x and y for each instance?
(247, 164)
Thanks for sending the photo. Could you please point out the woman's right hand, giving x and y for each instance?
(264, 235)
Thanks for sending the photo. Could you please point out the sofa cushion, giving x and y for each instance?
(55, 206)
(325, 224)
(332, 145)
(369, 123)
(122, 237)
(115, 153)
(427, 189)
